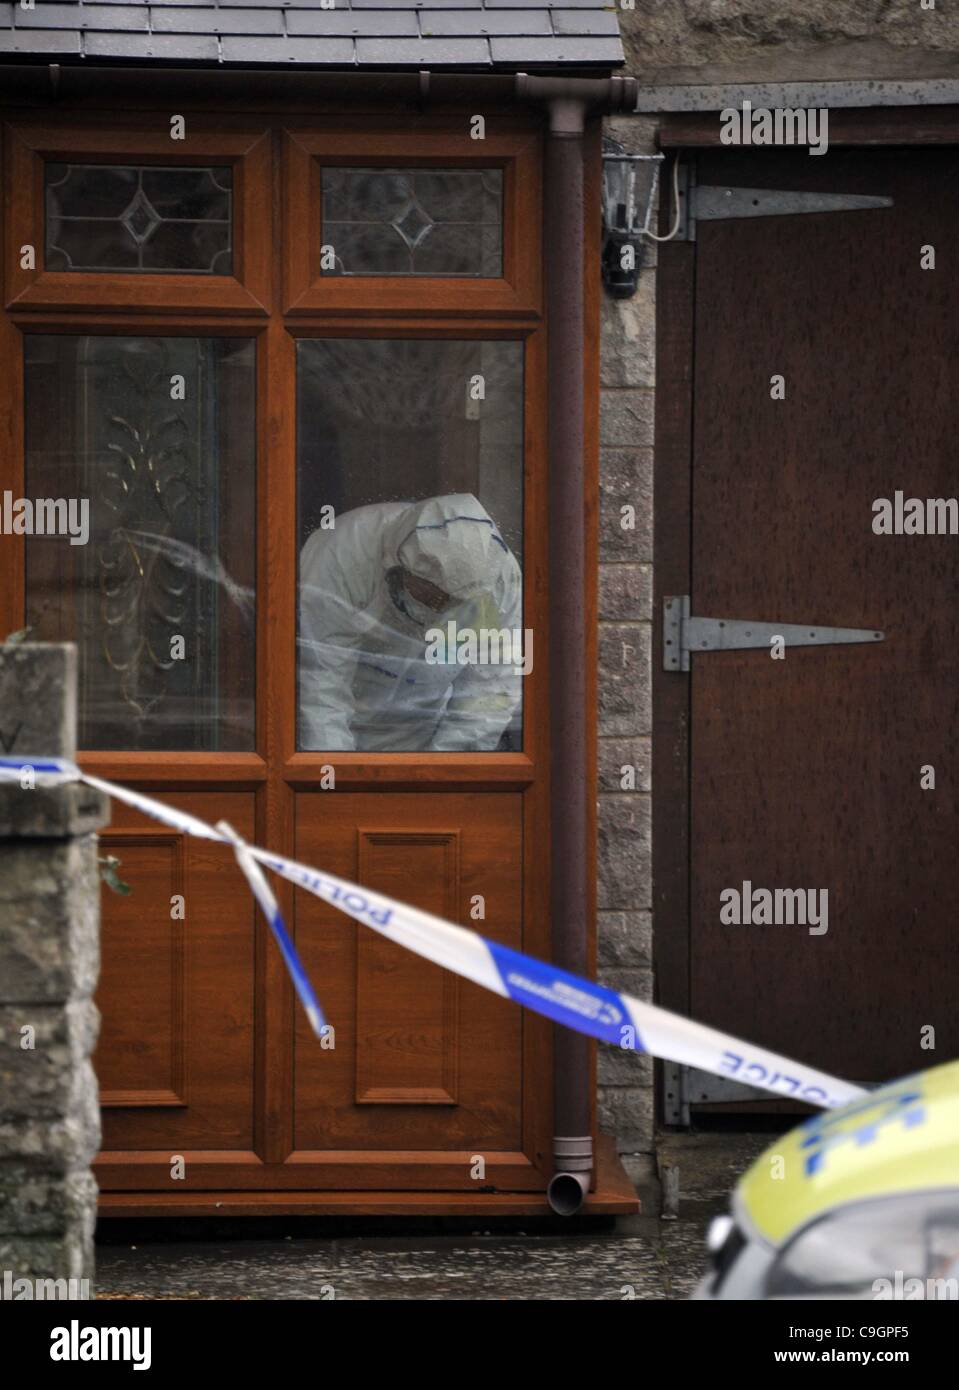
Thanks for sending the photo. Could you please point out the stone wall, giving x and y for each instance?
(49, 963)
(678, 41)
(627, 380)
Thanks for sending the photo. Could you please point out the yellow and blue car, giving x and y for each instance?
(861, 1202)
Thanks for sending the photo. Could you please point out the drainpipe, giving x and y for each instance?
(569, 888)
(571, 852)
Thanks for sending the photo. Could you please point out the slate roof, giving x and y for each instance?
(497, 35)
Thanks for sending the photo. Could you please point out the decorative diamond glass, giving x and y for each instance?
(139, 219)
(426, 221)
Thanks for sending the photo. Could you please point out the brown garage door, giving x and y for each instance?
(807, 772)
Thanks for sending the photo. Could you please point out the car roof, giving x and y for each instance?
(901, 1138)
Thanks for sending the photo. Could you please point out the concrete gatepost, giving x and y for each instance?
(49, 964)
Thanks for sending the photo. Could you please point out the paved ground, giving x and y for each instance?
(641, 1257)
(663, 1261)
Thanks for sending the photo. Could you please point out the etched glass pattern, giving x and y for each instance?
(436, 222)
(139, 219)
(155, 436)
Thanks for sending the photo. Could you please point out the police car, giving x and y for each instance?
(861, 1202)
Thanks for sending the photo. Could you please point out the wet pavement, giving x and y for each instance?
(649, 1259)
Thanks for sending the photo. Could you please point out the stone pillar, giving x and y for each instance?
(49, 963)
(627, 413)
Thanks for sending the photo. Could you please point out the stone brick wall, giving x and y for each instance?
(676, 41)
(627, 380)
(49, 963)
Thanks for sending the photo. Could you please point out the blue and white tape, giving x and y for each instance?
(271, 911)
(583, 1005)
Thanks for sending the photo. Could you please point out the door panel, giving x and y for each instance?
(421, 1061)
(806, 771)
(407, 1018)
(175, 1054)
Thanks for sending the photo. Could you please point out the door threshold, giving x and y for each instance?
(614, 1195)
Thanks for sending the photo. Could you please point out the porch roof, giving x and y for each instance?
(475, 35)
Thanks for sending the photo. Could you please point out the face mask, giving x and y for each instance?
(421, 613)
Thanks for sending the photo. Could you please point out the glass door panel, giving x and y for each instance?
(410, 520)
(148, 443)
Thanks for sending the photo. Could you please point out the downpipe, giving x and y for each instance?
(569, 1186)
(567, 101)
(569, 761)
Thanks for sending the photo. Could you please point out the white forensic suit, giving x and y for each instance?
(364, 680)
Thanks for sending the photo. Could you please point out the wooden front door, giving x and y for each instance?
(269, 357)
(832, 769)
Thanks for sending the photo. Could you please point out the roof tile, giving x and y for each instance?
(584, 21)
(422, 52)
(180, 20)
(323, 52)
(137, 47)
(114, 17)
(551, 4)
(449, 22)
(400, 22)
(422, 4)
(50, 17)
(548, 4)
(556, 50)
(39, 41)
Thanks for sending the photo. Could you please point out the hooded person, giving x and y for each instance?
(370, 590)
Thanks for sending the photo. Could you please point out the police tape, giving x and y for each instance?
(579, 1004)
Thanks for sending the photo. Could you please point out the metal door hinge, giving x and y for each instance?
(684, 634)
(685, 1086)
(705, 202)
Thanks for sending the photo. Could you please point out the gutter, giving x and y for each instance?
(76, 80)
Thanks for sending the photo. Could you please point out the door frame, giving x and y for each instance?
(275, 771)
(672, 538)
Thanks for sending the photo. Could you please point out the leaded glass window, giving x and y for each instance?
(142, 219)
(154, 439)
(437, 222)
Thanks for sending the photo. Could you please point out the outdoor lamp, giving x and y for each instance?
(629, 194)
